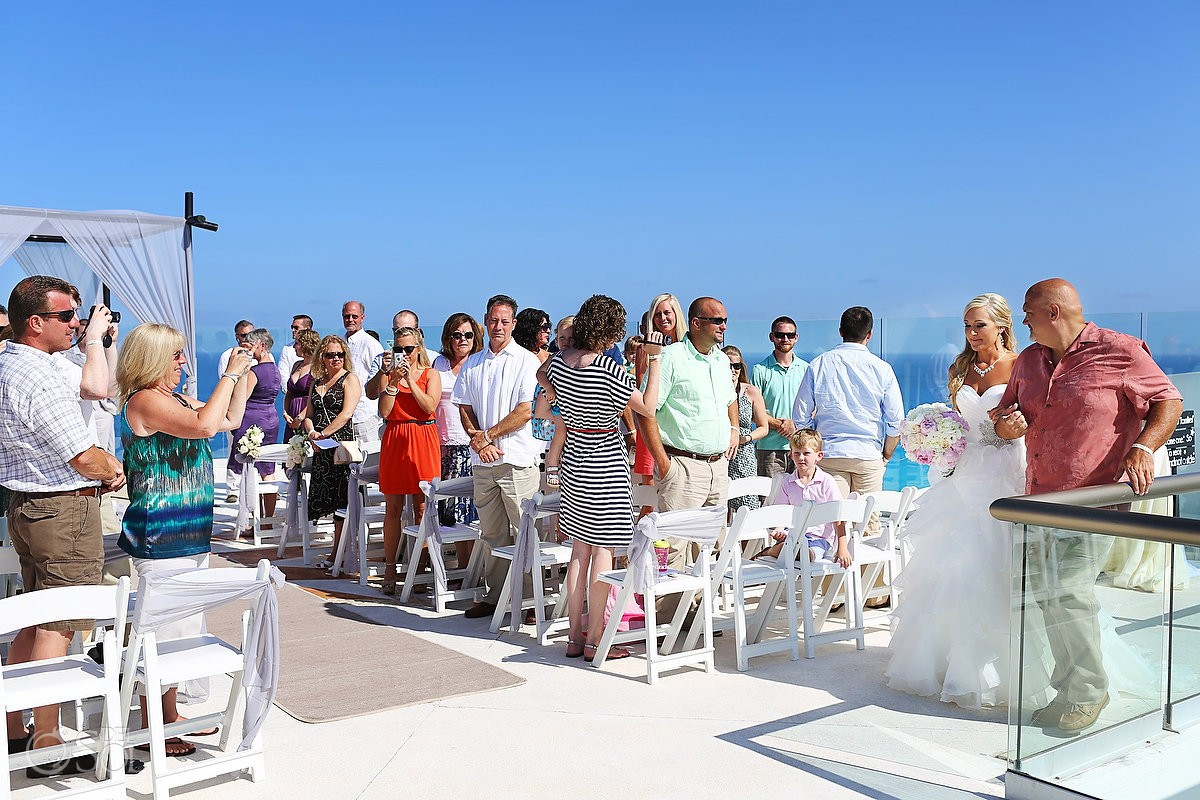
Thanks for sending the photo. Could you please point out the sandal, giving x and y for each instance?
(388, 587)
(176, 747)
(575, 653)
(325, 564)
(614, 653)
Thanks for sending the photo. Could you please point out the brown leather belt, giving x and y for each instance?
(87, 491)
(710, 458)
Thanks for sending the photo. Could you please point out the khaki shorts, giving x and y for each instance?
(59, 542)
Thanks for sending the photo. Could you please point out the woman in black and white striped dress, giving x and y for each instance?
(591, 391)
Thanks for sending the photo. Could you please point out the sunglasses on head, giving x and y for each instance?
(66, 315)
(460, 336)
(782, 335)
(333, 354)
(406, 349)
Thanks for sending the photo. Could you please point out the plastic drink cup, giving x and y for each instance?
(662, 549)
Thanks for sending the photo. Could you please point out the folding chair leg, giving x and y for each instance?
(504, 601)
(681, 610)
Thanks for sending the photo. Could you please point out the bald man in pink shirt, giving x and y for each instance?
(1093, 407)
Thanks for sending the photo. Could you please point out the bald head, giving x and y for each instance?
(1053, 313)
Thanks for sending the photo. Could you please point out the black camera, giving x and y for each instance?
(116, 319)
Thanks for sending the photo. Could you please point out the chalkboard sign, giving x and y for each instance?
(1181, 447)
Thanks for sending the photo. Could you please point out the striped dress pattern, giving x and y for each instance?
(170, 484)
(597, 498)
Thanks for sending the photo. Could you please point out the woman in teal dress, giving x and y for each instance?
(167, 461)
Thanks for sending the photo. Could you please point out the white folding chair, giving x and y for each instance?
(531, 555)
(844, 583)
(429, 534)
(155, 665)
(879, 556)
(73, 677)
(701, 526)
(737, 574)
(295, 515)
(363, 516)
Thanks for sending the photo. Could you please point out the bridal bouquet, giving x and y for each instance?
(251, 440)
(934, 434)
(298, 449)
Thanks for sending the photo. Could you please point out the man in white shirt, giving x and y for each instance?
(240, 331)
(55, 474)
(494, 395)
(364, 349)
(852, 398)
(288, 358)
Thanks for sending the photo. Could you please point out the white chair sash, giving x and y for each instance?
(297, 502)
(247, 492)
(700, 525)
(526, 551)
(164, 598)
(455, 487)
(351, 563)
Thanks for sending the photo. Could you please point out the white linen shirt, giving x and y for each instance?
(287, 360)
(493, 384)
(854, 400)
(41, 429)
(70, 363)
(363, 351)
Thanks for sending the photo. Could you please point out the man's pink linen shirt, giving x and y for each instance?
(1085, 412)
(821, 489)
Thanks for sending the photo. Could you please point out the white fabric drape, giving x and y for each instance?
(144, 259)
(700, 525)
(527, 551)
(350, 561)
(141, 257)
(14, 230)
(168, 597)
(59, 260)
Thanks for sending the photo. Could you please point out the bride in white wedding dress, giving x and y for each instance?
(950, 633)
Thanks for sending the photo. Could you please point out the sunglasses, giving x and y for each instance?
(461, 336)
(546, 326)
(66, 315)
(332, 355)
(241, 336)
(177, 355)
(406, 349)
(714, 320)
(781, 335)
(736, 366)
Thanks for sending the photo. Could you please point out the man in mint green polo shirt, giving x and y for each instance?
(697, 423)
(778, 377)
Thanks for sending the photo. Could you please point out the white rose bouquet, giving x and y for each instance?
(934, 434)
(299, 448)
(250, 442)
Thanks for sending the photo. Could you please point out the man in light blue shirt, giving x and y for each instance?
(853, 400)
(778, 378)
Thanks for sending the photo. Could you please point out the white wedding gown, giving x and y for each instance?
(950, 631)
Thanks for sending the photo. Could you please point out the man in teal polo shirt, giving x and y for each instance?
(778, 377)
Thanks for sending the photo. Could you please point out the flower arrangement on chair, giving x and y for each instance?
(299, 448)
(250, 442)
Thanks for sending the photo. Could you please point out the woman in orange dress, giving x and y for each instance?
(410, 451)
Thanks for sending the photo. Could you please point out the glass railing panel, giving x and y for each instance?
(1088, 653)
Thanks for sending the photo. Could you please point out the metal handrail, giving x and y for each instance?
(1074, 510)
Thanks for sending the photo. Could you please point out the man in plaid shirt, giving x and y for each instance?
(54, 473)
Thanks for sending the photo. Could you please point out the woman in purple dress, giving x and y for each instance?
(300, 381)
(260, 407)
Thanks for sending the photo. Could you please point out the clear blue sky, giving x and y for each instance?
(787, 157)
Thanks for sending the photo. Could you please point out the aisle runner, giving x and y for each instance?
(337, 664)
